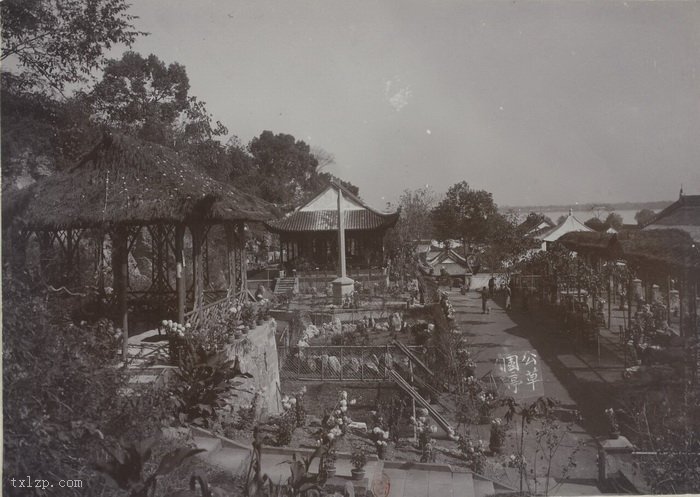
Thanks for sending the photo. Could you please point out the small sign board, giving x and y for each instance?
(520, 374)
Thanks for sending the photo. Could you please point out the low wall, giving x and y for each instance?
(257, 352)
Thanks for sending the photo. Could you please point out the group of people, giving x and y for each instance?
(489, 293)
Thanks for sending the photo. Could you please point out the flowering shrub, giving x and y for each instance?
(248, 412)
(425, 433)
(295, 403)
(249, 314)
(339, 418)
(176, 338)
(473, 453)
(477, 405)
(498, 435)
(380, 438)
(286, 424)
(446, 306)
(612, 420)
(358, 458)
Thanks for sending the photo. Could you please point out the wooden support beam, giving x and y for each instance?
(231, 246)
(180, 283)
(242, 256)
(197, 231)
(120, 270)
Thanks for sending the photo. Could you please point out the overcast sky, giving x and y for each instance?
(537, 102)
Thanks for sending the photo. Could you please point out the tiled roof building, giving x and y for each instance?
(683, 214)
(309, 234)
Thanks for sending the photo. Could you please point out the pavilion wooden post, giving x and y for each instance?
(180, 280)
(681, 296)
(610, 294)
(242, 264)
(120, 270)
(231, 273)
(197, 231)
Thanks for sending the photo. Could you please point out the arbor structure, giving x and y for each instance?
(125, 186)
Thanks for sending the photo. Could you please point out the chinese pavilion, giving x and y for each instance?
(309, 234)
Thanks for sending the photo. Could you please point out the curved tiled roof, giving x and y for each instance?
(327, 220)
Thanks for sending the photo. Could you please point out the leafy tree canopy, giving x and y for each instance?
(57, 42)
(614, 220)
(596, 224)
(464, 214)
(284, 170)
(145, 97)
(644, 216)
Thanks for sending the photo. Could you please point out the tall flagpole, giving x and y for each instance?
(342, 285)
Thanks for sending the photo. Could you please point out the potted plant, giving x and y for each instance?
(329, 462)
(248, 314)
(358, 459)
(176, 339)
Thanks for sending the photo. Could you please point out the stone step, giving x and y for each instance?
(415, 482)
(463, 485)
(483, 488)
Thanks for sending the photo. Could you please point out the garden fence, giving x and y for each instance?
(341, 362)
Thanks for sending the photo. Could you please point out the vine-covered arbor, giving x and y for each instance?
(666, 260)
(133, 201)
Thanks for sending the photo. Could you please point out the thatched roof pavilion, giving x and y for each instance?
(126, 181)
(657, 255)
(670, 249)
(124, 184)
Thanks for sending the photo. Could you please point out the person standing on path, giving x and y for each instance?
(484, 299)
(492, 286)
(508, 291)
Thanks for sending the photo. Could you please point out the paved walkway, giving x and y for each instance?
(577, 376)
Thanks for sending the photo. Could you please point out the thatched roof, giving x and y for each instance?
(671, 248)
(124, 180)
(587, 241)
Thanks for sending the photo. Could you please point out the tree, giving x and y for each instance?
(614, 220)
(40, 134)
(596, 224)
(286, 164)
(323, 156)
(464, 214)
(561, 219)
(141, 95)
(644, 216)
(508, 241)
(57, 42)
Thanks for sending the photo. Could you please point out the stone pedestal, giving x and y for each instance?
(619, 445)
(342, 287)
(675, 304)
(637, 290)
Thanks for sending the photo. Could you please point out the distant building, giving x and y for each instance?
(568, 225)
(535, 226)
(683, 214)
(446, 261)
(309, 234)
